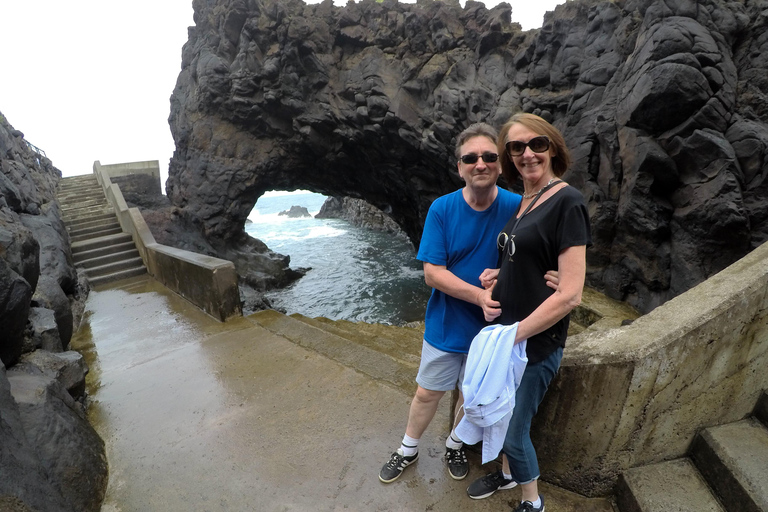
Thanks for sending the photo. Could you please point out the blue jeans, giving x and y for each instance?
(517, 445)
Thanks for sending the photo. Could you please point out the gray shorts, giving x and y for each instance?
(438, 370)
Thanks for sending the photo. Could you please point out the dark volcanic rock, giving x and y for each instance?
(358, 213)
(51, 459)
(662, 102)
(22, 475)
(20, 249)
(296, 212)
(66, 445)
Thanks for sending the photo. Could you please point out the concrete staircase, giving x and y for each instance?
(99, 246)
(726, 471)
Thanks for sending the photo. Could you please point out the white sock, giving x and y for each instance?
(537, 503)
(453, 441)
(410, 446)
(507, 476)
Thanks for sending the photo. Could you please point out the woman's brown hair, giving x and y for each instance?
(561, 157)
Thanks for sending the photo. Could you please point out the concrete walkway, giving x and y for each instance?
(203, 416)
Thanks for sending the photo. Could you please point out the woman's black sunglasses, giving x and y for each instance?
(538, 144)
(472, 158)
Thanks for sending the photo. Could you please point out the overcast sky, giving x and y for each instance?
(91, 79)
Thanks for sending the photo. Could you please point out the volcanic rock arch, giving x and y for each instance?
(662, 103)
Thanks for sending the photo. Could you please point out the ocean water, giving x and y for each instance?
(357, 274)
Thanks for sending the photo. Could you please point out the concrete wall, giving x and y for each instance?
(638, 394)
(139, 182)
(210, 283)
(148, 168)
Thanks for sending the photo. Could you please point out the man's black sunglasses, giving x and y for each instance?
(538, 144)
(472, 158)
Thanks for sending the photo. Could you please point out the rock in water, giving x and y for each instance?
(296, 212)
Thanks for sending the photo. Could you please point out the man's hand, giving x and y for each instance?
(552, 277)
(491, 308)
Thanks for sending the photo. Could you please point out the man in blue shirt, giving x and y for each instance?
(458, 243)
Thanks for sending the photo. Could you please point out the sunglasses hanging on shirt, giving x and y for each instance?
(506, 241)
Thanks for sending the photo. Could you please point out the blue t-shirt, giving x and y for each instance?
(464, 241)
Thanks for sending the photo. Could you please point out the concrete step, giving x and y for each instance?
(67, 187)
(82, 212)
(116, 276)
(670, 486)
(400, 343)
(103, 251)
(115, 229)
(114, 267)
(89, 221)
(73, 193)
(79, 178)
(99, 246)
(74, 198)
(375, 364)
(100, 242)
(130, 254)
(94, 227)
(87, 213)
(136, 284)
(761, 409)
(77, 205)
(733, 459)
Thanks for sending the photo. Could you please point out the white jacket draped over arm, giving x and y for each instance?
(495, 366)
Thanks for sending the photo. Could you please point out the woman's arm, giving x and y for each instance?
(572, 267)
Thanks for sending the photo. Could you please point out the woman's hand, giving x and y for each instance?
(488, 277)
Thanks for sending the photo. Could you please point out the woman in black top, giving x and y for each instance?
(549, 230)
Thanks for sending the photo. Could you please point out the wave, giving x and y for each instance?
(273, 218)
(325, 232)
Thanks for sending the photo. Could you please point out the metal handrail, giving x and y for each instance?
(35, 149)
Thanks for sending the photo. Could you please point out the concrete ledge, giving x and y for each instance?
(638, 394)
(209, 283)
(149, 168)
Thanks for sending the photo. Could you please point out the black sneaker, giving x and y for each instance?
(458, 466)
(489, 484)
(395, 466)
(527, 506)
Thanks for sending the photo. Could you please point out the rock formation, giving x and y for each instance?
(295, 212)
(358, 213)
(51, 459)
(663, 103)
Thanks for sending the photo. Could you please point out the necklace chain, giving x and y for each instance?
(534, 194)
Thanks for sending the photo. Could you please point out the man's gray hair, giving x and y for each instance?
(475, 130)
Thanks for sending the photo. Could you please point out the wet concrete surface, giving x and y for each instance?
(203, 416)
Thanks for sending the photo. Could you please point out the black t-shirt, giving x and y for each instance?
(543, 233)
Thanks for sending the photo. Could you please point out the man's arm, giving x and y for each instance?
(489, 276)
(440, 278)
